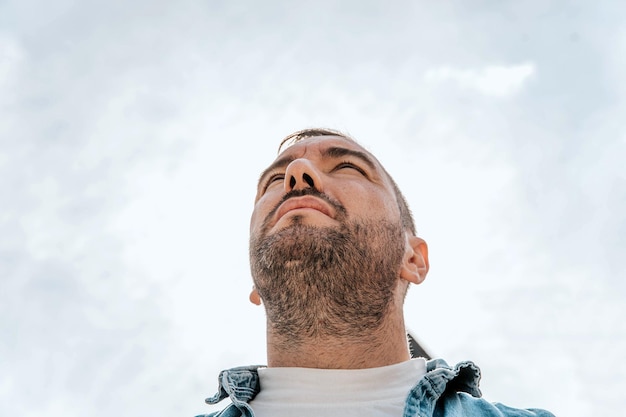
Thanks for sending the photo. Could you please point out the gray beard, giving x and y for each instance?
(317, 282)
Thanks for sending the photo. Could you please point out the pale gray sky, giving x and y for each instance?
(132, 135)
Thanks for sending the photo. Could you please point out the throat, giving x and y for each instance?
(378, 348)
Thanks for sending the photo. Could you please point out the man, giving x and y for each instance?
(333, 249)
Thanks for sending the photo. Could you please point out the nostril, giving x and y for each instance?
(307, 178)
(292, 182)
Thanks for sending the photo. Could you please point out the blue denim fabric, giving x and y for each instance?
(442, 392)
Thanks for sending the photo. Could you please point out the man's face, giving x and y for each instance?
(346, 183)
(326, 241)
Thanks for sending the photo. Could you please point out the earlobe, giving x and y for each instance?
(255, 298)
(415, 262)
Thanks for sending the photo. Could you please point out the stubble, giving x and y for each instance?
(318, 282)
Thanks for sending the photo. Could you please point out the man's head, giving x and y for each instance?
(332, 240)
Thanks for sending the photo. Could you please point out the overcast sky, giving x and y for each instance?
(132, 135)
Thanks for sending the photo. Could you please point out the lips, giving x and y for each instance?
(305, 202)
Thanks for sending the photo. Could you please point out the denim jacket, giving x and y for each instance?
(442, 392)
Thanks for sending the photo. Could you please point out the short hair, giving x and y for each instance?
(405, 212)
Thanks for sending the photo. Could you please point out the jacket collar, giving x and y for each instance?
(241, 384)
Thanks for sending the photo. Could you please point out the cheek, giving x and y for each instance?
(253, 222)
(256, 219)
(371, 203)
(383, 206)
(261, 209)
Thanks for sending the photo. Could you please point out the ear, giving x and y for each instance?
(255, 298)
(415, 263)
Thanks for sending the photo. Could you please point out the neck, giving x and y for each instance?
(386, 345)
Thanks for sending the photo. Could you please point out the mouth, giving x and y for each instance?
(305, 202)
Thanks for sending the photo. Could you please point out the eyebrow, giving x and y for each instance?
(338, 152)
(332, 152)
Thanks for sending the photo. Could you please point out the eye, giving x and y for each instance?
(272, 179)
(350, 165)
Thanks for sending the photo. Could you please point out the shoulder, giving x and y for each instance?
(466, 405)
(463, 404)
(454, 391)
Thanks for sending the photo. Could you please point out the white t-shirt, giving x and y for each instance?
(307, 392)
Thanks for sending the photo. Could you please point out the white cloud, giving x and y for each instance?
(492, 80)
(11, 55)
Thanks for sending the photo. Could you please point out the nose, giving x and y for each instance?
(300, 174)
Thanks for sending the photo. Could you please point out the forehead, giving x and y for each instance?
(318, 145)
